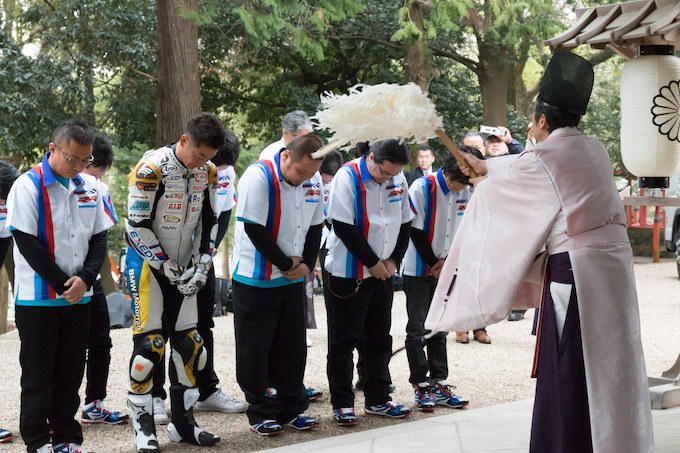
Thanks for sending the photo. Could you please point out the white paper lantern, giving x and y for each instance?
(650, 114)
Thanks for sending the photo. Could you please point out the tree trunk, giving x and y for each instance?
(178, 95)
(493, 83)
(417, 65)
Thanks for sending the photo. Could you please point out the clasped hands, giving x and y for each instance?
(299, 269)
(383, 269)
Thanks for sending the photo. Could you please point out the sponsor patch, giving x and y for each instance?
(174, 187)
(193, 217)
(196, 208)
(196, 198)
(199, 188)
(201, 177)
(175, 207)
(146, 186)
(171, 219)
(169, 168)
(170, 227)
(173, 196)
(140, 206)
(172, 178)
(145, 171)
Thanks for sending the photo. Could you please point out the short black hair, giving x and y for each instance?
(452, 171)
(228, 153)
(205, 129)
(555, 116)
(8, 174)
(304, 145)
(102, 151)
(470, 150)
(426, 148)
(392, 150)
(331, 163)
(361, 149)
(75, 130)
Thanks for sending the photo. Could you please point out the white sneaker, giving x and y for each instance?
(68, 448)
(47, 448)
(160, 416)
(220, 402)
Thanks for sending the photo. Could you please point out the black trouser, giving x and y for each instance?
(98, 346)
(206, 379)
(271, 350)
(52, 358)
(365, 315)
(419, 293)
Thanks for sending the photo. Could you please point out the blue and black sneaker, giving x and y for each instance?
(345, 416)
(5, 436)
(423, 395)
(303, 422)
(96, 412)
(314, 394)
(388, 409)
(443, 396)
(266, 428)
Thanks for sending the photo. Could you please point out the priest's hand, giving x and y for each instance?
(478, 165)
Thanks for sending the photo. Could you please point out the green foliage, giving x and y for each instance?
(603, 119)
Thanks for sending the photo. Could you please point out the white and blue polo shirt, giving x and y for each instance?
(376, 210)
(287, 211)
(225, 197)
(63, 219)
(438, 213)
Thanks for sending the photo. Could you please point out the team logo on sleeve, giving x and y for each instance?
(146, 177)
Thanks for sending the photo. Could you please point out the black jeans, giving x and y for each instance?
(98, 346)
(365, 315)
(271, 349)
(52, 358)
(419, 293)
(206, 379)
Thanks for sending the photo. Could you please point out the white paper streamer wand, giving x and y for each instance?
(370, 113)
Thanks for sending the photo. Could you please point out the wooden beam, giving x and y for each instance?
(651, 201)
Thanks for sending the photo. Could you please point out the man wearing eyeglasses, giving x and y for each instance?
(59, 224)
(371, 216)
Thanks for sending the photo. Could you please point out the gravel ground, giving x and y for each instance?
(486, 374)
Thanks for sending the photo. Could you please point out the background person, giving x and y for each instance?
(211, 397)
(99, 342)
(294, 124)
(8, 174)
(425, 161)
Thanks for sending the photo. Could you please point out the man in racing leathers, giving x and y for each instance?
(171, 232)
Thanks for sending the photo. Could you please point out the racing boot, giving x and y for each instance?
(141, 415)
(183, 427)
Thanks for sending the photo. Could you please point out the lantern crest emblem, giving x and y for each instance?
(666, 111)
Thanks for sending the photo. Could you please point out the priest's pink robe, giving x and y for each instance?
(496, 264)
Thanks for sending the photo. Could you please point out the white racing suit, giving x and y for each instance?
(171, 225)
